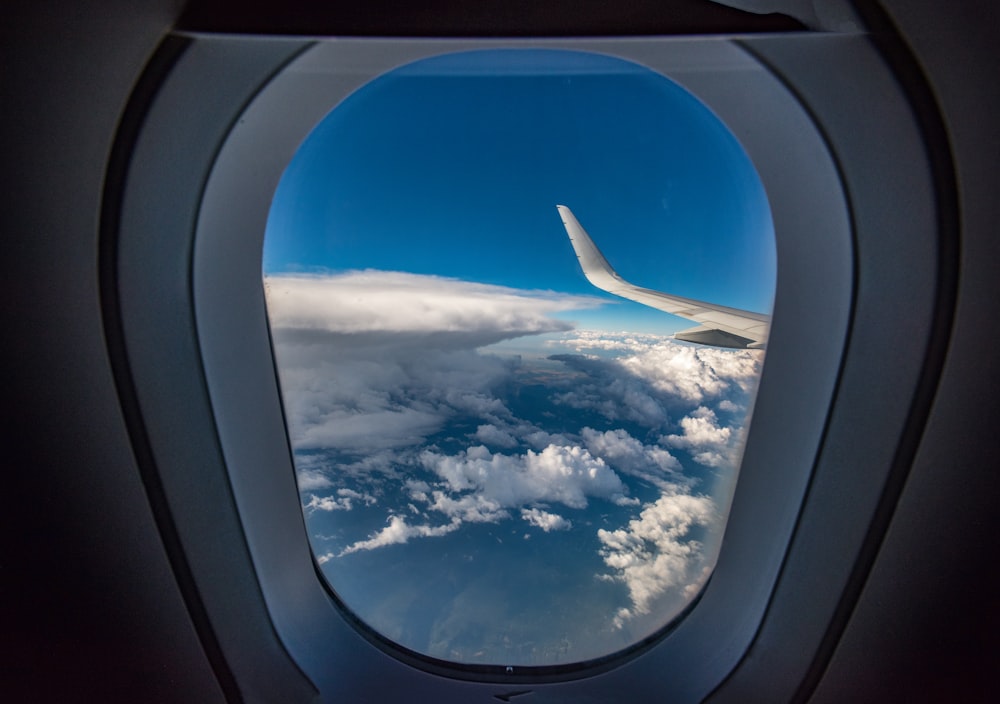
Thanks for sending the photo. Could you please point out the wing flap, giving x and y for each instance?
(712, 336)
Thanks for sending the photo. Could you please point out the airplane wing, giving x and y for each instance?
(718, 325)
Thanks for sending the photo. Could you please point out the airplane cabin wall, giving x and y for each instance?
(927, 625)
(91, 607)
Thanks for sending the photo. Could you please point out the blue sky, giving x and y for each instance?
(453, 166)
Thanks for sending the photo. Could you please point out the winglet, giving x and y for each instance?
(595, 267)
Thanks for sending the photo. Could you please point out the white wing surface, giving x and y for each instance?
(718, 325)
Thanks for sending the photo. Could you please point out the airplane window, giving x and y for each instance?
(504, 453)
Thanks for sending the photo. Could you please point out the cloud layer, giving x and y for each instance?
(385, 371)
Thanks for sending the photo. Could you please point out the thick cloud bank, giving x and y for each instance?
(397, 302)
(371, 360)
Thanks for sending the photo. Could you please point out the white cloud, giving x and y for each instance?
(397, 532)
(655, 375)
(312, 479)
(701, 428)
(370, 430)
(367, 499)
(494, 436)
(540, 439)
(344, 501)
(327, 503)
(369, 400)
(479, 486)
(562, 474)
(374, 463)
(694, 373)
(614, 392)
(417, 489)
(545, 520)
(608, 341)
(471, 508)
(653, 553)
(626, 454)
(709, 443)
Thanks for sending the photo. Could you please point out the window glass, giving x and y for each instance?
(498, 462)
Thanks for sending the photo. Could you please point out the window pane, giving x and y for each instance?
(500, 463)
